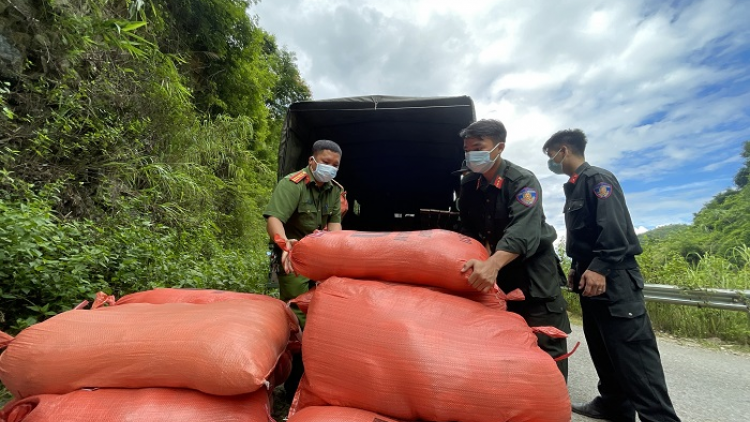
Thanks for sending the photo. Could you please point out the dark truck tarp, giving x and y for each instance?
(398, 153)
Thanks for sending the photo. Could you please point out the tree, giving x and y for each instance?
(290, 87)
(743, 175)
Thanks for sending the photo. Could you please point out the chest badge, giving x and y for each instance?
(527, 197)
(603, 190)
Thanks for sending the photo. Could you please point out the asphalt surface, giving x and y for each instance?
(706, 384)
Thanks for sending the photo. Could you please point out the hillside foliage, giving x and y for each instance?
(138, 147)
(720, 229)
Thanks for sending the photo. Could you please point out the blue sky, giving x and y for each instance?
(661, 88)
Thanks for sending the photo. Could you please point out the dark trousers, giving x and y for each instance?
(547, 314)
(291, 383)
(623, 348)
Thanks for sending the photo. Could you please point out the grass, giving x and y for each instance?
(5, 396)
(711, 271)
(707, 271)
(690, 322)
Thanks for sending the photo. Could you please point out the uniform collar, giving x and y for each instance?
(574, 178)
(497, 178)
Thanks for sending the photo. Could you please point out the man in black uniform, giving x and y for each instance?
(501, 206)
(602, 243)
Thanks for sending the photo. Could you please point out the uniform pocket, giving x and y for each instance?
(636, 277)
(575, 214)
(308, 216)
(630, 322)
(557, 306)
(574, 205)
(627, 309)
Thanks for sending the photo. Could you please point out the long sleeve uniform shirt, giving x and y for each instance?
(600, 233)
(505, 214)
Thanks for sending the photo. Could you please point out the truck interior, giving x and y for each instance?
(399, 156)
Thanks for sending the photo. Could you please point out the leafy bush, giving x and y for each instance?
(48, 265)
(138, 149)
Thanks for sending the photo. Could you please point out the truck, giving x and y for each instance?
(400, 160)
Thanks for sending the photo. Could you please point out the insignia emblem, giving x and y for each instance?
(603, 190)
(300, 177)
(527, 196)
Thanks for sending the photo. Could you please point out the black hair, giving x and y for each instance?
(325, 144)
(574, 139)
(490, 128)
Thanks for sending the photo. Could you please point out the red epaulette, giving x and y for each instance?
(302, 175)
(498, 183)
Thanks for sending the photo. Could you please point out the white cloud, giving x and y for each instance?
(640, 230)
(719, 164)
(661, 89)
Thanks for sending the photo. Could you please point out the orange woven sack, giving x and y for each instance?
(430, 257)
(142, 405)
(415, 354)
(222, 348)
(172, 295)
(201, 296)
(282, 370)
(495, 299)
(337, 414)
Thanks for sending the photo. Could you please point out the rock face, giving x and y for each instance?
(10, 57)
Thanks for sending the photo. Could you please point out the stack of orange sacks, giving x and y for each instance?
(159, 355)
(395, 332)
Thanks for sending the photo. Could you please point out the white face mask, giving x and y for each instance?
(323, 172)
(480, 161)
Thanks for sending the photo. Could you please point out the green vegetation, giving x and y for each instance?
(138, 147)
(719, 228)
(713, 252)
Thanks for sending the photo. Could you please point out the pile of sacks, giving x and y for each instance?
(160, 355)
(395, 332)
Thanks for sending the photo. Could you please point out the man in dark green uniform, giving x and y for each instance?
(301, 203)
(602, 243)
(501, 206)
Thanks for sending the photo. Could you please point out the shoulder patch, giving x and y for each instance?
(527, 196)
(302, 175)
(603, 190)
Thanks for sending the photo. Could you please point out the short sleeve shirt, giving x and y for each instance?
(302, 206)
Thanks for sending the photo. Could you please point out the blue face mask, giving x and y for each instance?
(554, 167)
(323, 172)
(480, 161)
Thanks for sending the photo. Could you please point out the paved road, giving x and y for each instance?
(706, 384)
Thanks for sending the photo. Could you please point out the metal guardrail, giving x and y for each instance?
(733, 300)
